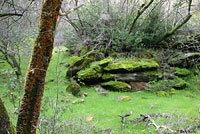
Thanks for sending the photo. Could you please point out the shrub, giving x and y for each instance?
(97, 27)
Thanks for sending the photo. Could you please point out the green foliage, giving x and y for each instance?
(99, 28)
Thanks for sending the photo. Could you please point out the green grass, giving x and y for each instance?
(105, 109)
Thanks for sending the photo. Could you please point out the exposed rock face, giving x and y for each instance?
(138, 76)
(132, 65)
(116, 86)
(138, 85)
(185, 60)
(73, 88)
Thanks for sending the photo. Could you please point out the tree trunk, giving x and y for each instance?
(35, 79)
(5, 124)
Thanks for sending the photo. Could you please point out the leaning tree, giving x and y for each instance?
(40, 59)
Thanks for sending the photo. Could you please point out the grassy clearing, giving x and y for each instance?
(104, 109)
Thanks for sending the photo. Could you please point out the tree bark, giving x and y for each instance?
(5, 123)
(35, 79)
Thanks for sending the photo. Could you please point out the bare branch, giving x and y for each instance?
(143, 8)
(10, 14)
(71, 10)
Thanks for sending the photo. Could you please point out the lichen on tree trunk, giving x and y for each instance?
(35, 79)
(5, 123)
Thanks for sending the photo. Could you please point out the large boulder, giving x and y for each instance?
(185, 60)
(73, 88)
(90, 75)
(131, 65)
(116, 86)
(82, 62)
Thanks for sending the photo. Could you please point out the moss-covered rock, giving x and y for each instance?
(185, 60)
(78, 101)
(182, 71)
(73, 88)
(83, 62)
(90, 75)
(78, 65)
(104, 62)
(116, 86)
(108, 77)
(123, 98)
(132, 65)
(172, 91)
(72, 60)
(162, 93)
(181, 85)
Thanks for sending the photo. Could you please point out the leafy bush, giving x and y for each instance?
(104, 28)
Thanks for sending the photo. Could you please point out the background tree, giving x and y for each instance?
(5, 123)
(17, 25)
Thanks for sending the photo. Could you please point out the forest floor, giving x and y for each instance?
(100, 114)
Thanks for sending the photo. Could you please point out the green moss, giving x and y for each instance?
(132, 65)
(182, 71)
(162, 93)
(116, 86)
(73, 88)
(181, 85)
(78, 65)
(108, 77)
(105, 62)
(72, 60)
(172, 91)
(125, 98)
(90, 74)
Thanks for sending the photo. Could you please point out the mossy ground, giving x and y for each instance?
(105, 109)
